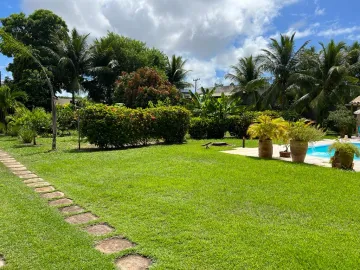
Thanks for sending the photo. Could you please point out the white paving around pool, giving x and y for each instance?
(318, 161)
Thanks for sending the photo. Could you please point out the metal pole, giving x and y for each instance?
(196, 80)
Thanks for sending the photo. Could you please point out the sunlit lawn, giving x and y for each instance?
(188, 207)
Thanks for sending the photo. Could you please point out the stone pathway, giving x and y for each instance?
(77, 215)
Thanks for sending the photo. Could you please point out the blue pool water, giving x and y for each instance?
(322, 151)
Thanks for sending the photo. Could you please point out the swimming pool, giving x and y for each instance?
(322, 151)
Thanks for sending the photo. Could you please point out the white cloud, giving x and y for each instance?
(338, 31)
(204, 31)
(318, 10)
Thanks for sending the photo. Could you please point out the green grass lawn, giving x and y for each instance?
(189, 208)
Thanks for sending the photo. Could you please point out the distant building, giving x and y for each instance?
(227, 90)
(63, 101)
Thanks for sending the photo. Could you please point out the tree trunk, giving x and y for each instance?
(34, 140)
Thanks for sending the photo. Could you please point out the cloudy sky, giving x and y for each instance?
(211, 34)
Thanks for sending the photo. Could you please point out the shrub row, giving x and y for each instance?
(107, 126)
(236, 125)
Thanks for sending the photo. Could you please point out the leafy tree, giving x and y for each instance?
(247, 77)
(9, 100)
(138, 88)
(328, 80)
(281, 59)
(176, 72)
(74, 60)
(113, 54)
(342, 120)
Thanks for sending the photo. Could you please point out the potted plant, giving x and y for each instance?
(267, 129)
(300, 134)
(344, 155)
(285, 141)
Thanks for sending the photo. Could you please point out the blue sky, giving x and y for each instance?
(211, 34)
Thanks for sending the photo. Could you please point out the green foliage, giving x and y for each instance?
(271, 114)
(118, 127)
(198, 128)
(239, 124)
(267, 128)
(66, 118)
(138, 88)
(348, 148)
(290, 115)
(341, 120)
(305, 132)
(176, 73)
(216, 128)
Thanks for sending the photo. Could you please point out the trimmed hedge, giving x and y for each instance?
(107, 126)
(239, 124)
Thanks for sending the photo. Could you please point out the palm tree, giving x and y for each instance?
(282, 60)
(176, 73)
(328, 78)
(247, 78)
(19, 49)
(74, 60)
(9, 100)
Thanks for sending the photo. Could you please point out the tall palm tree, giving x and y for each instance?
(328, 79)
(282, 60)
(9, 99)
(75, 60)
(247, 78)
(176, 73)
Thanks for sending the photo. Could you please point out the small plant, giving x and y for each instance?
(344, 154)
(304, 131)
(267, 128)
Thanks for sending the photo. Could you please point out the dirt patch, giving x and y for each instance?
(99, 229)
(81, 218)
(71, 209)
(60, 202)
(113, 245)
(44, 189)
(133, 262)
(52, 195)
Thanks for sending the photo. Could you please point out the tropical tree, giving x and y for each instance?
(74, 60)
(281, 59)
(176, 72)
(203, 102)
(328, 79)
(9, 100)
(8, 42)
(247, 78)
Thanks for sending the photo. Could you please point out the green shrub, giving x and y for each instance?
(216, 129)
(342, 121)
(272, 114)
(107, 126)
(66, 119)
(291, 116)
(26, 134)
(198, 128)
(172, 123)
(239, 124)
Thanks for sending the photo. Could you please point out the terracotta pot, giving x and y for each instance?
(265, 149)
(285, 154)
(346, 160)
(298, 150)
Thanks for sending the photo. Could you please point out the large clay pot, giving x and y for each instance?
(346, 160)
(265, 149)
(298, 150)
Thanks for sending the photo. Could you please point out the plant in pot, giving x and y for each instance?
(267, 129)
(344, 155)
(285, 141)
(300, 134)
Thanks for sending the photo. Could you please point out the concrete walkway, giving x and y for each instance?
(313, 160)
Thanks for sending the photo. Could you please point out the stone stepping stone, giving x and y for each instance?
(38, 184)
(14, 166)
(71, 209)
(52, 195)
(18, 168)
(99, 229)
(81, 218)
(21, 172)
(2, 261)
(28, 176)
(133, 262)
(113, 245)
(59, 202)
(44, 189)
(8, 160)
(33, 180)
